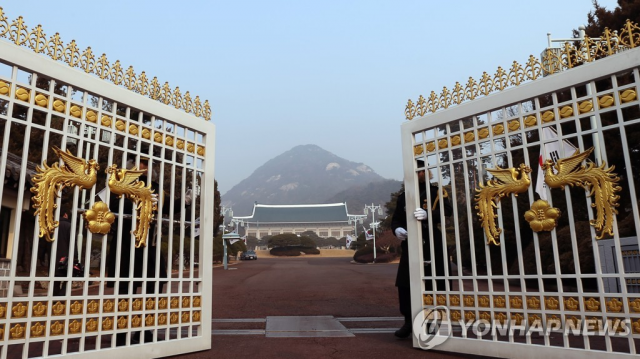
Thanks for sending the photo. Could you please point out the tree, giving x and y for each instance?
(218, 218)
(283, 240)
(387, 241)
(391, 208)
(252, 242)
(601, 18)
(236, 247)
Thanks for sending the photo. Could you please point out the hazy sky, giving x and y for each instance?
(336, 74)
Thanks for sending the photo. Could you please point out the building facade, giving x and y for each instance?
(326, 220)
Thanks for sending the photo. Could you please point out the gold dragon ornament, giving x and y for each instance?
(505, 181)
(125, 182)
(600, 181)
(51, 180)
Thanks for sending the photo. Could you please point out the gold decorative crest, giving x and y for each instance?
(568, 56)
(541, 216)
(125, 182)
(51, 180)
(35, 38)
(99, 219)
(505, 181)
(600, 181)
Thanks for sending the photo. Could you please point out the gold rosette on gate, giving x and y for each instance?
(541, 216)
(123, 182)
(99, 219)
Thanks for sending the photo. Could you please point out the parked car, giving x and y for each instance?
(248, 255)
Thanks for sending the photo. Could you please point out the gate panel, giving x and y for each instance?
(563, 281)
(136, 281)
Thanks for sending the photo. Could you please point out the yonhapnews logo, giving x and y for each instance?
(432, 327)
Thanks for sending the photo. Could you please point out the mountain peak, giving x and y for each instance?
(306, 174)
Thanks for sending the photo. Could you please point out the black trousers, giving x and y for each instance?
(404, 298)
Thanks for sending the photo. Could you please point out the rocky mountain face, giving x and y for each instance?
(377, 193)
(306, 174)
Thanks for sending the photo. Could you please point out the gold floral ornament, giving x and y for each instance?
(600, 181)
(17, 332)
(125, 182)
(51, 180)
(99, 219)
(541, 216)
(505, 182)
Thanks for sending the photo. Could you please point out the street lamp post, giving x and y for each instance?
(374, 224)
(355, 219)
(237, 221)
(231, 236)
(224, 212)
(224, 247)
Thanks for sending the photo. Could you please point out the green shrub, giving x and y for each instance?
(293, 251)
(285, 251)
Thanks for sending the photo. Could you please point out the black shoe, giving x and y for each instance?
(404, 332)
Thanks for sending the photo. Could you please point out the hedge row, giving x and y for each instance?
(293, 251)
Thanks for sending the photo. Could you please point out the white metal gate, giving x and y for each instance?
(73, 130)
(563, 280)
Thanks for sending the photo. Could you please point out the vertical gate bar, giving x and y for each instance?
(166, 330)
(416, 263)
(192, 220)
(469, 192)
(183, 184)
(522, 293)
(572, 237)
(490, 276)
(632, 194)
(616, 237)
(456, 230)
(536, 240)
(595, 125)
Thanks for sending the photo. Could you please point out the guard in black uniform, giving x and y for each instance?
(399, 225)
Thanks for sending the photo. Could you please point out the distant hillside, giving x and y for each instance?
(306, 174)
(358, 196)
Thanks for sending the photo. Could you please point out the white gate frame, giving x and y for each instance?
(191, 331)
(420, 132)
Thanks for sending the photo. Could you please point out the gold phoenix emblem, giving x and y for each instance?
(541, 216)
(51, 180)
(125, 182)
(99, 219)
(600, 181)
(505, 181)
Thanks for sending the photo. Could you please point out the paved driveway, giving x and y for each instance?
(307, 308)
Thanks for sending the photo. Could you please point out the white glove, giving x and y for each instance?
(188, 197)
(401, 233)
(420, 214)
